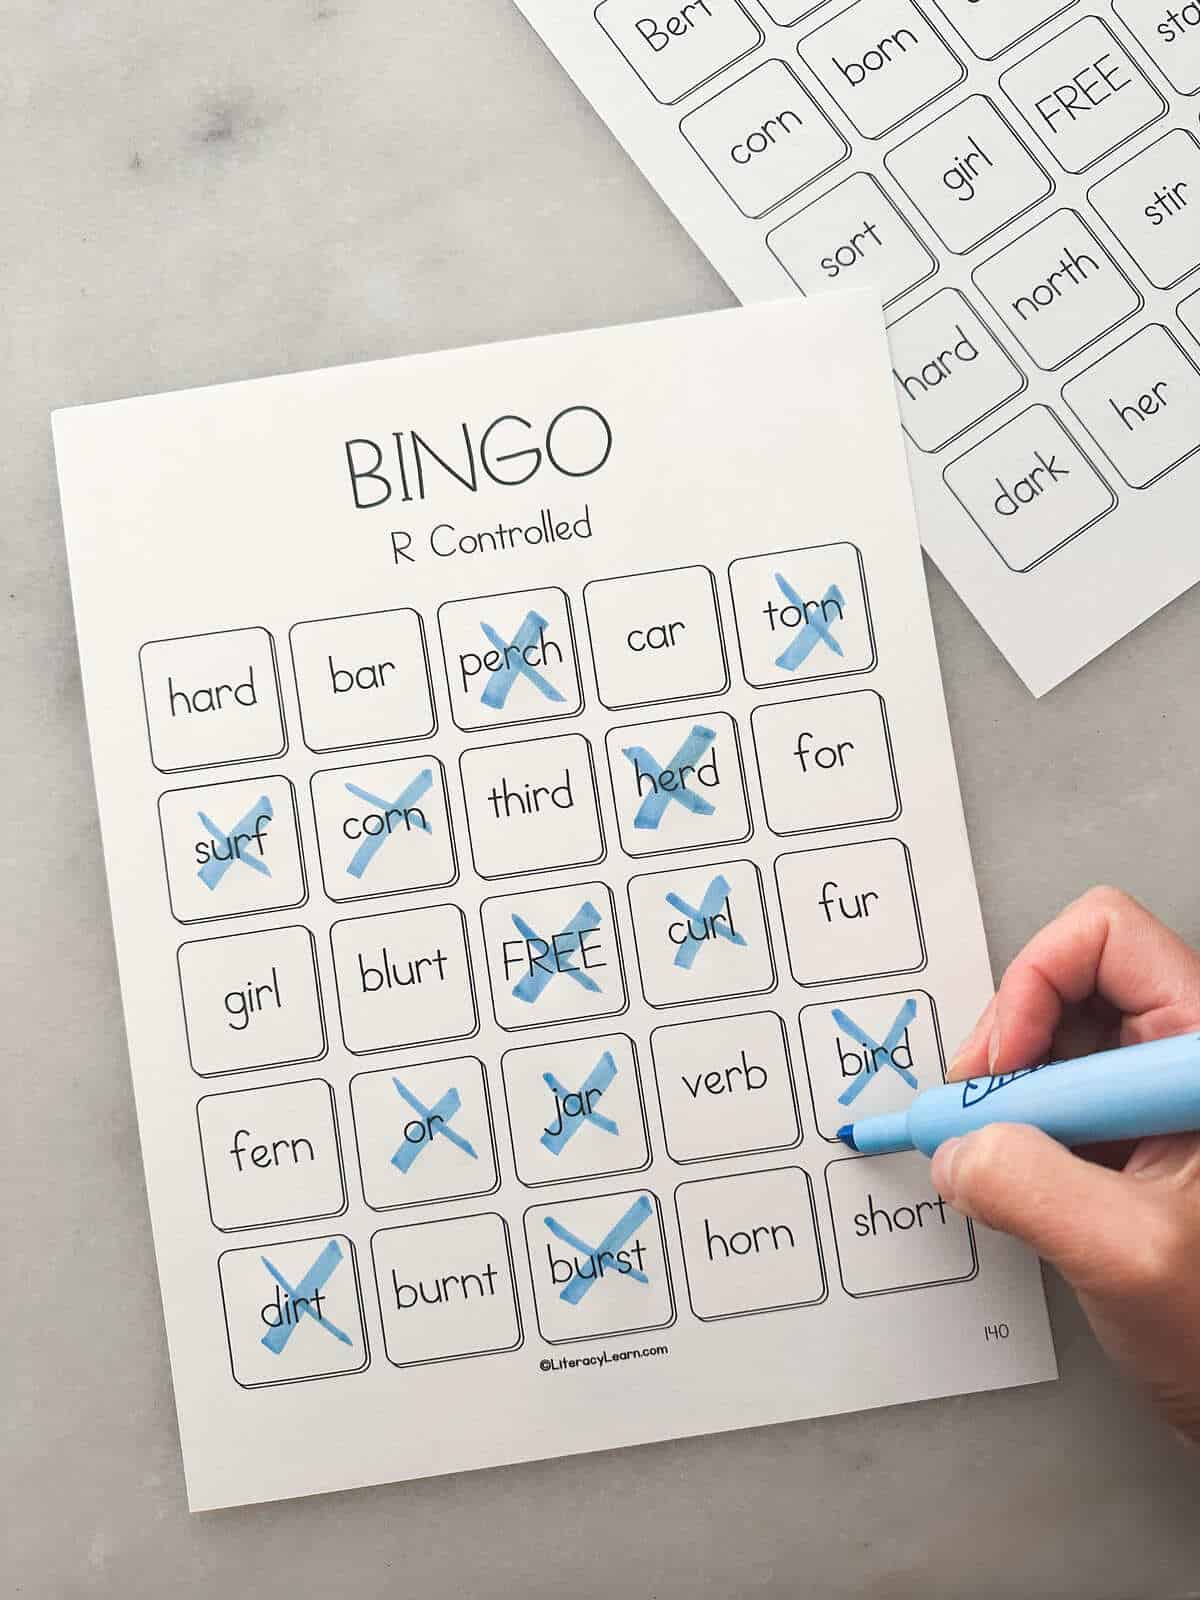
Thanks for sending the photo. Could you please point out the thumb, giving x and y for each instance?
(1096, 1226)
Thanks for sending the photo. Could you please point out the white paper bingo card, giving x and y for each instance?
(1020, 180)
(532, 830)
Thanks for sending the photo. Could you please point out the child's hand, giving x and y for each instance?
(1125, 1233)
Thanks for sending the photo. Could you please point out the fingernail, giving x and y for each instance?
(945, 1158)
(994, 1045)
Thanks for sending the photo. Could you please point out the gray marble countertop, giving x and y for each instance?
(218, 191)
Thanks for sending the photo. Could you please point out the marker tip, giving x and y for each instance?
(846, 1135)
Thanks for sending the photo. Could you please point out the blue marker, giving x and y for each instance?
(1118, 1094)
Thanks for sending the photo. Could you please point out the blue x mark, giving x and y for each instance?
(596, 1082)
(529, 988)
(300, 1298)
(714, 897)
(815, 628)
(650, 812)
(639, 1211)
(873, 1051)
(213, 871)
(365, 854)
(436, 1119)
(496, 690)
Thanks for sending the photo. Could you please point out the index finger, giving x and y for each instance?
(1104, 944)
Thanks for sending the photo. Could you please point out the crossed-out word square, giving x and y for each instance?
(802, 614)
(384, 828)
(725, 1087)
(212, 699)
(251, 1000)
(575, 1109)
(403, 978)
(424, 1133)
(293, 1310)
(750, 1243)
(232, 849)
(826, 762)
(446, 1289)
(271, 1155)
(870, 1055)
(553, 955)
(599, 1266)
(532, 806)
(891, 1231)
(510, 658)
(850, 912)
(656, 636)
(363, 680)
(678, 784)
(701, 933)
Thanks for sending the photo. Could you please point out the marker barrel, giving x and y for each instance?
(1121, 1094)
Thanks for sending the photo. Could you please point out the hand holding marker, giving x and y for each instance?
(1124, 1228)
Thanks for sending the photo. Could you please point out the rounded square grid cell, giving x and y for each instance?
(510, 659)
(532, 806)
(826, 762)
(890, 1232)
(293, 1310)
(656, 637)
(970, 151)
(271, 1155)
(599, 1266)
(950, 370)
(678, 784)
(1082, 94)
(1147, 202)
(764, 138)
(992, 30)
(363, 680)
(850, 912)
(1189, 314)
(881, 61)
(852, 237)
(750, 1243)
(701, 933)
(553, 955)
(725, 1087)
(251, 1000)
(212, 699)
(383, 828)
(802, 614)
(424, 1133)
(1057, 289)
(403, 979)
(446, 1289)
(682, 48)
(870, 1055)
(575, 1109)
(1029, 488)
(232, 849)
(1171, 41)
(1141, 404)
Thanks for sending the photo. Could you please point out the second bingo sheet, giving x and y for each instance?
(532, 830)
